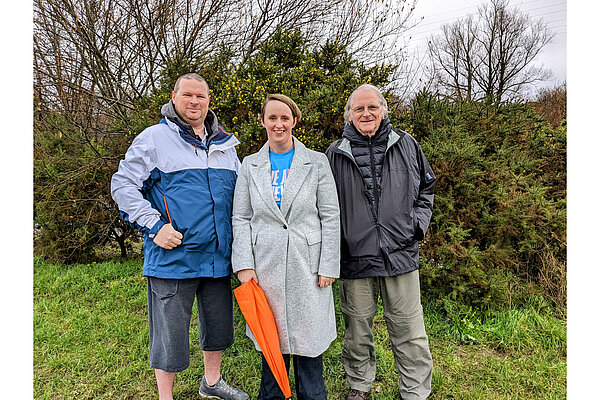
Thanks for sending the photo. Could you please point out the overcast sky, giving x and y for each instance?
(433, 13)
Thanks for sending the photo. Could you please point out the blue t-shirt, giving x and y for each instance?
(280, 168)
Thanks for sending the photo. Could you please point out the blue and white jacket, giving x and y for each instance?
(169, 175)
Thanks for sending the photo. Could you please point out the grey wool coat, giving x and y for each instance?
(289, 247)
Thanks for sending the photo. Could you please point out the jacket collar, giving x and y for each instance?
(211, 125)
(352, 134)
(261, 174)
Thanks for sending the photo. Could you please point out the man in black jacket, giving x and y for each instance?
(385, 190)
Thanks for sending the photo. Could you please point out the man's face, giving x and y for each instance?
(191, 101)
(366, 113)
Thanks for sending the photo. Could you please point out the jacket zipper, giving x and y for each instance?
(375, 208)
(373, 214)
(374, 175)
(196, 150)
(168, 214)
(207, 177)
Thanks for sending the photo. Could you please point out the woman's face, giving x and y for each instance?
(279, 121)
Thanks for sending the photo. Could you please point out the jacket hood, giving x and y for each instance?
(355, 137)
(211, 125)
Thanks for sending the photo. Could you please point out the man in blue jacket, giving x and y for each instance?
(176, 186)
(385, 190)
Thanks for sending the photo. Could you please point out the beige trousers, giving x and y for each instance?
(403, 315)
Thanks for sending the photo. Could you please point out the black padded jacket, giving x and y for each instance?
(382, 219)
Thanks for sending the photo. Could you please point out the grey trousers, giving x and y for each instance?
(403, 315)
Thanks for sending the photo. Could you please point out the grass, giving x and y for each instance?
(91, 339)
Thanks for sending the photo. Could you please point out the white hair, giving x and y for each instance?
(382, 101)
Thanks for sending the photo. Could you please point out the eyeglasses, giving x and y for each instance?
(372, 108)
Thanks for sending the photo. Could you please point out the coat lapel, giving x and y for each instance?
(261, 175)
(299, 170)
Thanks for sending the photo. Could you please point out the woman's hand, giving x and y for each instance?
(247, 274)
(325, 281)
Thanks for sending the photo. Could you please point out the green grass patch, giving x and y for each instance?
(91, 342)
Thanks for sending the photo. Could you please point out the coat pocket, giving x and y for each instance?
(262, 251)
(313, 239)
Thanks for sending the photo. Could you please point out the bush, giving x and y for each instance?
(498, 230)
(552, 104)
(74, 213)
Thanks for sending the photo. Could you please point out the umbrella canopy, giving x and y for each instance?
(258, 315)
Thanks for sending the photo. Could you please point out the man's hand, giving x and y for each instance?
(167, 237)
(325, 281)
(246, 274)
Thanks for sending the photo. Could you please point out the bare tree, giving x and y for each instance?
(491, 56)
(255, 21)
(453, 53)
(368, 29)
(114, 50)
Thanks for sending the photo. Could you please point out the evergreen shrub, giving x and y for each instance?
(498, 230)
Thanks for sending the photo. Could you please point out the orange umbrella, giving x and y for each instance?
(254, 306)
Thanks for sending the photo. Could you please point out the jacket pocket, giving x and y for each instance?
(313, 239)
(415, 221)
(261, 251)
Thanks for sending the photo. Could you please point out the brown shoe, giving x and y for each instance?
(356, 394)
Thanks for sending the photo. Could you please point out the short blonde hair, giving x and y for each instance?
(296, 113)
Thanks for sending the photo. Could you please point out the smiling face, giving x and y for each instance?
(191, 101)
(278, 120)
(366, 112)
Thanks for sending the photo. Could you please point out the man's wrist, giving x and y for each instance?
(155, 228)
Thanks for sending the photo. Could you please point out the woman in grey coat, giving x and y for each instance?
(286, 237)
